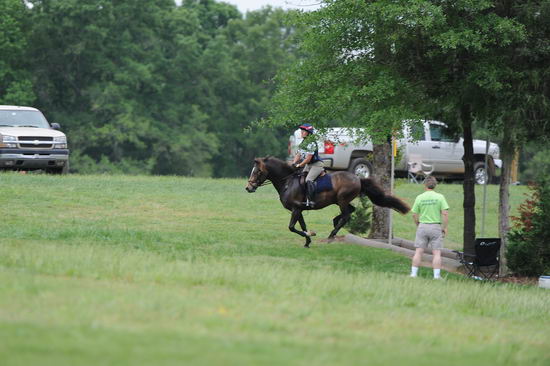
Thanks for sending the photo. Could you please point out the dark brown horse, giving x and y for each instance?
(345, 187)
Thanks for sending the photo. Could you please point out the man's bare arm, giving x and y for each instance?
(444, 221)
(415, 218)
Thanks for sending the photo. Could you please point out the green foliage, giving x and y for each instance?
(528, 250)
(239, 64)
(360, 222)
(417, 59)
(15, 78)
(523, 96)
(114, 96)
(534, 162)
(155, 87)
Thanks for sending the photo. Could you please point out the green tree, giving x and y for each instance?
(528, 252)
(361, 219)
(390, 61)
(151, 87)
(107, 71)
(15, 78)
(237, 66)
(520, 98)
(534, 162)
(526, 95)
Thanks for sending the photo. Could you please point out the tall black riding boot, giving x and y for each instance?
(310, 193)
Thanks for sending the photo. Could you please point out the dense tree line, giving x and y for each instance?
(147, 86)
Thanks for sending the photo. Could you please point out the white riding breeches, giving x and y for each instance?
(314, 170)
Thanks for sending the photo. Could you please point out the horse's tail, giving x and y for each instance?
(377, 195)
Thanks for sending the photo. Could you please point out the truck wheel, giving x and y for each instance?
(63, 170)
(361, 167)
(479, 173)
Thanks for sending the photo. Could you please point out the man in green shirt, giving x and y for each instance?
(430, 214)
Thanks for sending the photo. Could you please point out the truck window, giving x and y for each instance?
(23, 118)
(417, 132)
(441, 133)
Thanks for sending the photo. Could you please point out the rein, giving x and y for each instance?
(253, 182)
(267, 182)
(288, 176)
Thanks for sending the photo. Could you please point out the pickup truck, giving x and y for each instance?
(435, 146)
(29, 142)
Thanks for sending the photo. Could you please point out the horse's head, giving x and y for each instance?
(258, 175)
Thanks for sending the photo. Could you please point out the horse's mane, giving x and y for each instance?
(274, 160)
(277, 167)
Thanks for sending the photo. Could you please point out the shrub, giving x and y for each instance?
(360, 221)
(528, 250)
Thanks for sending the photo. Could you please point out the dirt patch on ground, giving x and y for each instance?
(335, 240)
(529, 281)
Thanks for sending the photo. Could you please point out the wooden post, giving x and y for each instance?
(508, 155)
(392, 180)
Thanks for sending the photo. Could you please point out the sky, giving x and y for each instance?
(250, 5)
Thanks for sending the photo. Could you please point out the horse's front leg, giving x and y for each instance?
(295, 216)
(303, 225)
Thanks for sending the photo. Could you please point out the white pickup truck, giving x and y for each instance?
(29, 142)
(435, 147)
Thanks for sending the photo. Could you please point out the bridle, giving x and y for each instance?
(258, 179)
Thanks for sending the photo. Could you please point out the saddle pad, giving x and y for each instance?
(324, 183)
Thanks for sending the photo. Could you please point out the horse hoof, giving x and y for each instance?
(330, 240)
(306, 246)
(311, 233)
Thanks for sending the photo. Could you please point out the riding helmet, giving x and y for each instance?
(307, 127)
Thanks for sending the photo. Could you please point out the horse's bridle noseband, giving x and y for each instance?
(259, 179)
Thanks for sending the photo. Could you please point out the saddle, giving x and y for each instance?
(303, 175)
(322, 183)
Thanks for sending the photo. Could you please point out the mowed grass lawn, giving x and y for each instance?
(120, 270)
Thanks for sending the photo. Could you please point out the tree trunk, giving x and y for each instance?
(380, 228)
(507, 155)
(469, 184)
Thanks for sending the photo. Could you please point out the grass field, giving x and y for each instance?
(119, 270)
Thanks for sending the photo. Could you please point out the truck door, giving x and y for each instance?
(446, 150)
(422, 147)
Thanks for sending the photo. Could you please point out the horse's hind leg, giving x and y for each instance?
(295, 216)
(340, 220)
(336, 220)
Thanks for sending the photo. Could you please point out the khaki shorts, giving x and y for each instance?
(429, 235)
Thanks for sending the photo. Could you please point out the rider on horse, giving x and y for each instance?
(308, 157)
